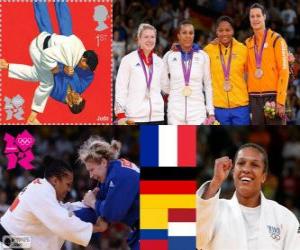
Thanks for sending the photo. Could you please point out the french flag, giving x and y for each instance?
(168, 146)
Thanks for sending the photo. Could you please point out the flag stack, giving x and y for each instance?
(168, 208)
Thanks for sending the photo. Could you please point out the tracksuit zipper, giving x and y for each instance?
(150, 114)
(185, 111)
(228, 100)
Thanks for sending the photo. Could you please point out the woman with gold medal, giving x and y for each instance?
(268, 69)
(228, 59)
(185, 77)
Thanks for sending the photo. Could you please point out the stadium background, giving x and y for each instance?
(165, 15)
(62, 142)
(283, 148)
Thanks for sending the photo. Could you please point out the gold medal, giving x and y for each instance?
(259, 73)
(227, 86)
(187, 91)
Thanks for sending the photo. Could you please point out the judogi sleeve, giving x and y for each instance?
(57, 218)
(208, 85)
(292, 240)
(165, 80)
(122, 85)
(206, 214)
(120, 196)
(81, 82)
(23, 72)
(68, 53)
(281, 55)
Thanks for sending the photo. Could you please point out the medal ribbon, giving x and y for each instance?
(187, 70)
(258, 55)
(226, 68)
(148, 79)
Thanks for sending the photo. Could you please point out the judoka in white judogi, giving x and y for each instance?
(221, 225)
(63, 49)
(248, 221)
(37, 213)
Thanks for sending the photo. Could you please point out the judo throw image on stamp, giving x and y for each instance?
(55, 62)
(81, 192)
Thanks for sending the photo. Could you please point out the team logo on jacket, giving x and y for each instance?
(138, 65)
(274, 232)
(174, 59)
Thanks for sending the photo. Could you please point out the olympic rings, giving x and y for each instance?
(25, 141)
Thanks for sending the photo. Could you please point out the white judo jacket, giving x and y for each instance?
(131, 88)
(220, 225)
(192, 109)
(37, 213)
(67, 50)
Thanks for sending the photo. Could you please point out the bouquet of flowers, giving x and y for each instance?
(269, 110)
(211, 121)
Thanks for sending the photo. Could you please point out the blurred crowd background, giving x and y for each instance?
(283, 16)
(283, 148)
(63, 142)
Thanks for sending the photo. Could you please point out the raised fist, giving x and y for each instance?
(222, 168)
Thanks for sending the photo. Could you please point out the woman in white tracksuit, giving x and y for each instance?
(186, 78)
(138, 96)
(248, 221)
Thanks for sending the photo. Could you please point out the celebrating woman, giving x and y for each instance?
(186, 75)
(268, 69)
(138, 97)
(228, 59)
(258, 222)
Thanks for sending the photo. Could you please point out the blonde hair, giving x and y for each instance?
(96, 148)
(145, 26)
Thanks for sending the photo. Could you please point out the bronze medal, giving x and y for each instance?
(259, 55)
(227, 85)
(259, 73)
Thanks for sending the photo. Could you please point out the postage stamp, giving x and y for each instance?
(55, 61)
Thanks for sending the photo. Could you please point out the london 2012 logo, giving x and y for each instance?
(18, 150)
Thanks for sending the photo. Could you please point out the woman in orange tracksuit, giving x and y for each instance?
(228, 60)
(268, 70)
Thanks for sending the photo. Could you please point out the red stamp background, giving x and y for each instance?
(19, 29)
